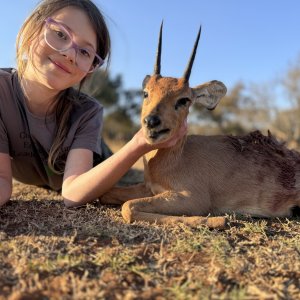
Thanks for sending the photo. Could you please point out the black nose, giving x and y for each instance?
(152, 121)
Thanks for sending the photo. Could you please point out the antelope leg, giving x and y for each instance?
(168, 208)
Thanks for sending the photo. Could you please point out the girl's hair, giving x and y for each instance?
(31, 28)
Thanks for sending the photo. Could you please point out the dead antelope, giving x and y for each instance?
(203, 175)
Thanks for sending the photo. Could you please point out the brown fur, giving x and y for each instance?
(268, 152)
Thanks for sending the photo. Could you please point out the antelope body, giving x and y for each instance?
(203, 175)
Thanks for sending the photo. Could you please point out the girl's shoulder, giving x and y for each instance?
(7, 72)
(86, 99)
(7, 79)
(85, 103)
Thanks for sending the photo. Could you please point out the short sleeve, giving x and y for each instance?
(88, 133)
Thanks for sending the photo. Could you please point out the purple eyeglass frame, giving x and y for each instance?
(73, 45)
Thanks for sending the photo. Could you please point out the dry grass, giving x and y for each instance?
(50, 252)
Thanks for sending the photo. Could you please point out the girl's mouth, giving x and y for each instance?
(60, 66)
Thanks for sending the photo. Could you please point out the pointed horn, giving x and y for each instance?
(188, 69)
(158, 53)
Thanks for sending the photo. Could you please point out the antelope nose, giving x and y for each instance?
(152, 121)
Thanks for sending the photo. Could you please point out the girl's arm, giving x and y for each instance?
(82, 183)
(5, 178)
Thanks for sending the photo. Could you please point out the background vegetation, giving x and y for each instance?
(273, 105)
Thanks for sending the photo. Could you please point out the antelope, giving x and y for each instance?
(202, 175)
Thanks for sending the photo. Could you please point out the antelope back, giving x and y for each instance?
(167, 99)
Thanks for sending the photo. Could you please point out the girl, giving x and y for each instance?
(49, 132)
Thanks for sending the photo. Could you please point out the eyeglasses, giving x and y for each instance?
(59, 38)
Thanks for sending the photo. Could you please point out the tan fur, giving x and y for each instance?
(204, 175)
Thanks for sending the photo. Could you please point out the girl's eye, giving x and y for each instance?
(61, 35)
(84, 52)
(181, 102)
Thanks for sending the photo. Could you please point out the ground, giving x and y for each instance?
(48, 251)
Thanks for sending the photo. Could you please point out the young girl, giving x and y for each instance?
(50, 134)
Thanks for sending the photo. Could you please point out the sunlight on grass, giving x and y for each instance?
(50, 252)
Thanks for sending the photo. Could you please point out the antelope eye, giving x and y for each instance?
(181, 102)
(145, 95)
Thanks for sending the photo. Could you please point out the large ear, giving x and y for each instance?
(209, 94)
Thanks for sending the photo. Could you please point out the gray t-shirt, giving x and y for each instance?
(28, 138)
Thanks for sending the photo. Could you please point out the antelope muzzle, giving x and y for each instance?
(154, 131)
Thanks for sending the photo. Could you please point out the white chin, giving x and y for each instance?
(157, 139)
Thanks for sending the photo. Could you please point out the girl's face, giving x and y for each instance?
(59, 70)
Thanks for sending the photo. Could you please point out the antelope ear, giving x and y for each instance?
(209, 94)
(146, 79)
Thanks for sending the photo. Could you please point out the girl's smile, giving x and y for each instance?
(60, 66)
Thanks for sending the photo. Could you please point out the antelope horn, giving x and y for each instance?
(158, 53)
(188, 69)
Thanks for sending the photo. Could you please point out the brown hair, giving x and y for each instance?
(67, 98)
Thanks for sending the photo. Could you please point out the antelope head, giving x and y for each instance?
(167, 99)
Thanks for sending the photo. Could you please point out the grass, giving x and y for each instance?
(48, 251)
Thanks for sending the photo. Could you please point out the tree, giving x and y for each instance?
(291, 86)
(105, 89)
(225, 117)
(121, 106)
(244, 108)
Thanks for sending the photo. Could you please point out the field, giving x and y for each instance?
(48, 251)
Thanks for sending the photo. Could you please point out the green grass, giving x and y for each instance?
(50, 252)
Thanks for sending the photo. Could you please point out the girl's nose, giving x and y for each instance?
(70, 54)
